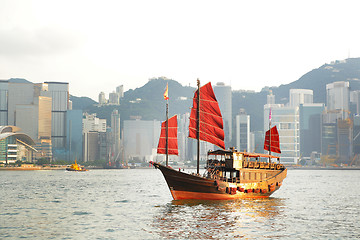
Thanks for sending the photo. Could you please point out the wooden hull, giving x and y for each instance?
(187, 186)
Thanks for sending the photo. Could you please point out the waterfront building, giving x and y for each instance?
(15, 146)
(224, 96)
(344, 140)
(4, 90)
(29, 108)
(356, 134)
(60, 104)
(310, 127)
(300, 96)
(242, 128)
(287, 121)
(74, 143)
(115, 134)
(91, 146)
(141, 139)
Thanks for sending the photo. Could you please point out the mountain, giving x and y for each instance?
(147, 101)
(81, 102)
(316, 80)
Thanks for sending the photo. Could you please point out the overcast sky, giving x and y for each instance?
(98, 45)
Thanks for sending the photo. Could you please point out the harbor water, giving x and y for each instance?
(136, 204)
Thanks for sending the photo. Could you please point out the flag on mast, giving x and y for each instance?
(166, 93)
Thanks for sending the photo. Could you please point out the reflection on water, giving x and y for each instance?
(190, 219)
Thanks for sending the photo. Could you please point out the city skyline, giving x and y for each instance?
(129, 42)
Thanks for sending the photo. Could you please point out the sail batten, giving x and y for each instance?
(172, 137)
(211, 122)
(272, 141)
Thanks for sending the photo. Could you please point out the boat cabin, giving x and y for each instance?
(234, 166)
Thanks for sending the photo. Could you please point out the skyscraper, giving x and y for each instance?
(242, 128)
(224, 96)
(338, 97)
(60, 103)
(3, 102)
(115, 130)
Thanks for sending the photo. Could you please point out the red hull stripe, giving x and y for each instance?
(180, 195)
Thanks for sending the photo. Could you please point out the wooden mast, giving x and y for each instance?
(167, 132)
(270, 135)
(198, 128)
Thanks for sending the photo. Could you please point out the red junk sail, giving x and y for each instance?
(211, 122)
(275, 143)
(172, 137)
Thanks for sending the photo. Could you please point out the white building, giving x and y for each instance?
(93, 124)
(337, 98)
(300, 96)
(286, 120)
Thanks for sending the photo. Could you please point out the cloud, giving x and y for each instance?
(41, 41)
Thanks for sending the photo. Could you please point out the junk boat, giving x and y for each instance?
(228, 174)
(76, 167)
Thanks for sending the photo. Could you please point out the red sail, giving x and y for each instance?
(172, 137)
(211, 122)
(275, 143)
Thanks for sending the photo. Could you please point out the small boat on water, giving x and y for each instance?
(76, 167)
(228, 174)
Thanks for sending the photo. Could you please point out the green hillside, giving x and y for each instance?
(147, 101)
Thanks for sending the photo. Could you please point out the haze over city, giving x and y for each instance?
(101, 45)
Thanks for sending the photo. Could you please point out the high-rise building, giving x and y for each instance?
(102, 98)
(120, 91)
(74, 144)
(287, 121)
(115, 133)
(92, 127)
(93, 124)
(114, 98)
(91, 146)
(337, 98)
(29, 107)
(310, 128)
(355, 101)
(224, 96)
(4, 102)
(300, 96)
(242, 128)
(141, 139)
(60, 103)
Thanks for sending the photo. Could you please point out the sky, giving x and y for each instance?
(99, 45)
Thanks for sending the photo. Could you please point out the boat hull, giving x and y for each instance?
(187, 186)
(76, 170)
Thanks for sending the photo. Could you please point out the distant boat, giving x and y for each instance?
(77, 168)
(229, 174)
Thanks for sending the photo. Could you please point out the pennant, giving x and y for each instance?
(166, 93)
